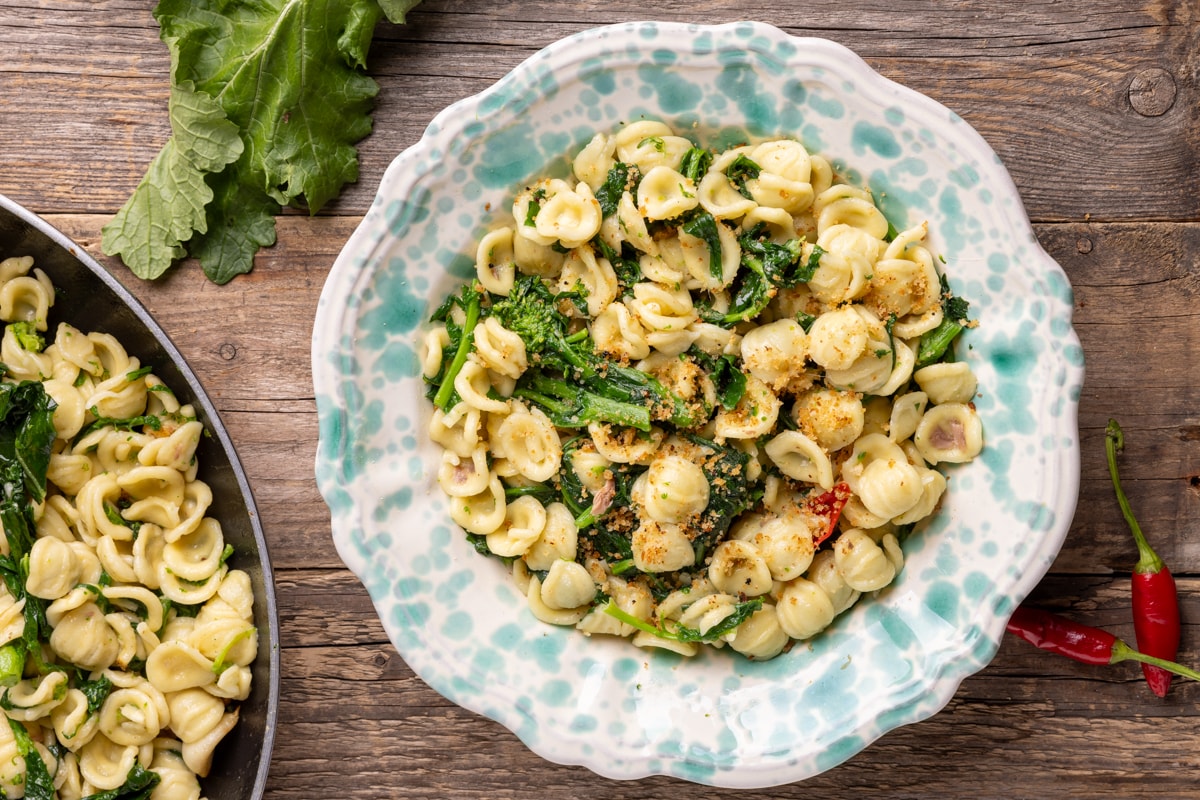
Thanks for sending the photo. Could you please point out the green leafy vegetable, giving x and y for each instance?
(615, 184)
(268, 99)
(608, 542)
(589, 389)
(766, 266)
(568, 405)
(542, 492)
(96, 692)
(181, 609)
(12, 664)
(782, 264)
(145, 421)
(168, 206)
(682, 633)
(113, 515)
(625, 264)
(752, 291)
(138, 785)
(462, 341)
(38, 783)
(695, 163)
(27, 336)
(892, 233)
(728, 380)
(703, 225)
(535, 207)
(654, 141)
(26, 435)
(742, 169)
(136, 374)
(531, 311)
(935, 345)
(729, 491)
(591, 512)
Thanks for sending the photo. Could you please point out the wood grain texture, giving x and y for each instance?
(1007, 68)
(1093, 106)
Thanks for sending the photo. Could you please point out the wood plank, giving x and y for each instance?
(1028, 707)
(251, 344)
(1090, 103)
(999, 65)
(315, 605)
(250, 367)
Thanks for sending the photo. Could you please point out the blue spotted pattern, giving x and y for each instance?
(895, 658)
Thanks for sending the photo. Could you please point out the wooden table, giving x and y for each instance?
(1093, 105)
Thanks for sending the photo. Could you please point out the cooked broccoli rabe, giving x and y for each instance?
(728, 380)
(784, 264)
(624, 263)
(27, 336)
(590, 388)
(590, 508)
(766, 267)
(703, 225)
(751, 292)
(461, 341)
(695, 163)
(741, 170)
(568, 405)
(682, 633)
(730, 491)
(615, 184)
(935, 345)
(531, 311)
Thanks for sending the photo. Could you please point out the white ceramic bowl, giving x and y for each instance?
(719, 719)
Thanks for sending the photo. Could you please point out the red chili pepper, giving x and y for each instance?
(1057, 634)
(1152, 588)
(829, 504)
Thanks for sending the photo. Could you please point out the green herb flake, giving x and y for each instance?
(535, 207)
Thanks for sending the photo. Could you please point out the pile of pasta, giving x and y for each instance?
(835, 437)
(152, 634)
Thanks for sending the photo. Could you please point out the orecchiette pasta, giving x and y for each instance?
(147, 633)
(691, 397)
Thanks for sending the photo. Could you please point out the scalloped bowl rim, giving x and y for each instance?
(333, 347)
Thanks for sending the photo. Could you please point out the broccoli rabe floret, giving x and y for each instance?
(570, 405)
(589, 388)
(531, 311)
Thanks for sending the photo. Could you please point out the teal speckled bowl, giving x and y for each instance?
(719, 719)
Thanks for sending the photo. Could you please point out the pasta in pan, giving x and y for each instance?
(126, 638)
(698, 398)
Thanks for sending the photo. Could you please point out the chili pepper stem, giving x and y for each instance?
(1123, 652)
(1114, 441)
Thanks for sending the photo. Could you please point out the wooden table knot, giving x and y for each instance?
(1152, 92)
(1083, 245)
(228, 351)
